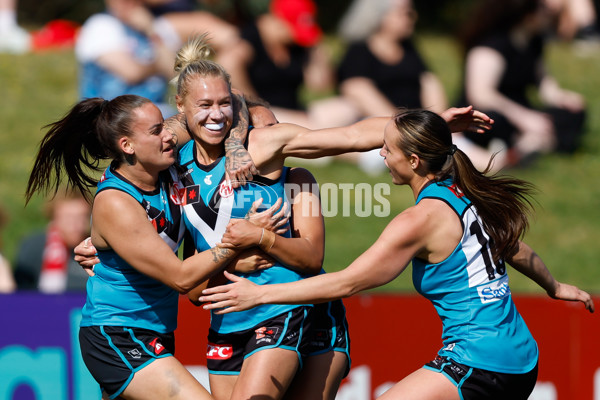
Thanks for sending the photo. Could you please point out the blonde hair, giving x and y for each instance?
(194, 59)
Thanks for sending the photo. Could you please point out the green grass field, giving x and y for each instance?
(39, 88)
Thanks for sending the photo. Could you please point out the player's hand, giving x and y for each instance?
(240, 295)
(86, 255)
(564, 291)
(467, 119)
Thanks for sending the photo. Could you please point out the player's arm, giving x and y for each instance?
(122, 225)
(381, 263)
(289, 140)
(238, 163)
(531, 265)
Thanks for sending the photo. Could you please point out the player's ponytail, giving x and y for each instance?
(74, 146)
(502, 202)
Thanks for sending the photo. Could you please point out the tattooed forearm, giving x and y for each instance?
(237, 158)
(219, 254)
(239, 130)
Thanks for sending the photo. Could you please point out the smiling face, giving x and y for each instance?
(208, 109)
(399, 165)
(151, 144)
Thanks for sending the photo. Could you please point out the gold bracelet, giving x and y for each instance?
(269, 241)
(262, 234)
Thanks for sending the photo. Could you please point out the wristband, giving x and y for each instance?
(267, 241)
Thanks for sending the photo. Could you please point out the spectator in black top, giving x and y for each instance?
(382, 69)
(504, 43)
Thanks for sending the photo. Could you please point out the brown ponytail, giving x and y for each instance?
(75, 144)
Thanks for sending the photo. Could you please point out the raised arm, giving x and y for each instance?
(288, 140)
(531, 265)
(238, 163)
(122, 225)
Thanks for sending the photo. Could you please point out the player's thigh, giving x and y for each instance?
(266, 374)
(319, 378)
(165, 378)
(422, 384)
(221, 386)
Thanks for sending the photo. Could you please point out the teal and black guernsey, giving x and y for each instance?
(209, 204)
(120, 295)
(481, 325)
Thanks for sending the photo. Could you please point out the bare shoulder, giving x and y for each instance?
(116, 206)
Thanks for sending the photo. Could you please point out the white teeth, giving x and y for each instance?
(214, 127)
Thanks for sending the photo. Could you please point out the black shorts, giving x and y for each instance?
(113, 354)
(329, 330)
(476, 384)
(226, 352)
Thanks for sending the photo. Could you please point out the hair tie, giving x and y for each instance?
(452, 150)
(103, 105)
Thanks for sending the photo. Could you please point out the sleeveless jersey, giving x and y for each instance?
(209, 203)
(481, 325)
(120, 295)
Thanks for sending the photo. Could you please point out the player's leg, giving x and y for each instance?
(319, 378)
(221, 386)
(164, 378)
(266, 374)
(423, 384)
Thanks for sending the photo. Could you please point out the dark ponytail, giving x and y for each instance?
(77, 143)
(503, 202)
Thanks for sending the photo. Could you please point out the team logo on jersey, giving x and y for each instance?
(177, 193)
(207, 179)
(103, 177)
(192, 195)
(135, 353)
(219, 351)
(157, 346)
(225, 189)
(156, 216)
(450, 347)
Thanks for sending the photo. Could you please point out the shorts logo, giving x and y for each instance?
(158, 347)
(264, 334)
(219, 351)
(135, 353)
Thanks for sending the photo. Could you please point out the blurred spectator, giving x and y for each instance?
(504, 43)
(281, 54)
(44, 260)
(7, 282)
(127, 51)
(382, 69)
(13, 38)
(576, 19)
(183, 18)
